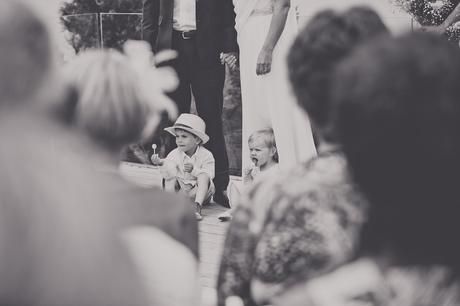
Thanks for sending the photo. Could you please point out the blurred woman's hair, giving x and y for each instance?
(268, 138)
(365, 22)
(398, 120)
(111, 107)
(326, 39)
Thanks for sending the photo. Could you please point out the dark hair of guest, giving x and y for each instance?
(365, 22)
(398, 120)
(322, 43)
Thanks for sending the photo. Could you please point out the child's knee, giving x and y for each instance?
(203, 179)
(170, 184)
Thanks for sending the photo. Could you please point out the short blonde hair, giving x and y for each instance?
(111, 108)
(268, 138)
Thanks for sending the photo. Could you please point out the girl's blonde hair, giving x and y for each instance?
(268, 138)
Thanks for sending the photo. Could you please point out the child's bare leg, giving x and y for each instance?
(203, 183)
(170, 184)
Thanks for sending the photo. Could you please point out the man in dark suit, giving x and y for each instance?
(199, 30)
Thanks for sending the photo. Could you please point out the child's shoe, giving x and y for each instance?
(198, 215)
(225, 216)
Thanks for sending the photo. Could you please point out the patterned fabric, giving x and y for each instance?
(415, 286)
(363, 282)
(290, 228)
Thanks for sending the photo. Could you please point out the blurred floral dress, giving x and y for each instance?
(291, 228)
(372, 282)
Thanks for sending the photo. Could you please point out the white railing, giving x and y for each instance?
(98, 23)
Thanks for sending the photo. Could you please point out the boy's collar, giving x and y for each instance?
(196, 151)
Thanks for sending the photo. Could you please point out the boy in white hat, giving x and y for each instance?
(189, 167)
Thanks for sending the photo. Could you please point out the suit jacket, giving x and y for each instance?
(215, 22)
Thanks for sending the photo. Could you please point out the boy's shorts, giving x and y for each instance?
(190, 191)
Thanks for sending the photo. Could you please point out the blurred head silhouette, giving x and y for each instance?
(26, 55)
(325, 40)
(57, 240)
(110, 107)
(398, 120)
(119, 98)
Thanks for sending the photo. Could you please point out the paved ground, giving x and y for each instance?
(211, 230)
(212, 234)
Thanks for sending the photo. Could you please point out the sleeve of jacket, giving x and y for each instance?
(150, 15)
(229, 32)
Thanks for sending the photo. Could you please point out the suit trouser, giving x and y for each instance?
(206, 81)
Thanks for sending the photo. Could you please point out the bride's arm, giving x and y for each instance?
(277, 24)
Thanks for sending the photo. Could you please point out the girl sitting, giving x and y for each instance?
(264, 157)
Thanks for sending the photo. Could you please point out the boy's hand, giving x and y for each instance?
(156, 160)
(247, 171)
(188, 167)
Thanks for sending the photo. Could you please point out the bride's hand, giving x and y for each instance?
(264, 62)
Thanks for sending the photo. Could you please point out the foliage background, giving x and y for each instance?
(433, 13)
(96, 23)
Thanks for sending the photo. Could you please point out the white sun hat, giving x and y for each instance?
(192, 124)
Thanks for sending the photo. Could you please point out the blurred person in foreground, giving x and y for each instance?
(57, 239)
(303, 222)
(398, 119)
(67, 236)
(120, 100)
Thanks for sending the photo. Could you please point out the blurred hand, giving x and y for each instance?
(156, 160)
(234, 301)
(434, 29)
(264, 62)
(188, 167)
(336, 289)
(247, 171)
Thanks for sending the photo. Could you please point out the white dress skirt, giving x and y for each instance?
(267, 100)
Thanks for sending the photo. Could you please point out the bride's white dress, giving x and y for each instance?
(267, 100)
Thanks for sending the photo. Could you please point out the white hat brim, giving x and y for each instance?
(172, 130)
